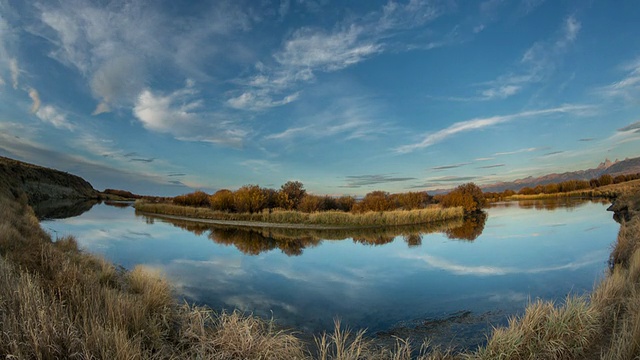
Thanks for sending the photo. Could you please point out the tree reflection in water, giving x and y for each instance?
(292, 242)
(471, 228)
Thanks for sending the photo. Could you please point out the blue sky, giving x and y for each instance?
(162, 97)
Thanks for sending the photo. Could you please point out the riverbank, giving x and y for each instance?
(603, 192)
(301, 220)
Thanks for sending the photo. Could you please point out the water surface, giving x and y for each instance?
(446, 280)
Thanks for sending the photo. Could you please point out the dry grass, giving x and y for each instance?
(344, 344)
(546, 332)
(329, 218)
(608, 192)
(57, 302)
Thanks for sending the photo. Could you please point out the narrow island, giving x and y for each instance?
(60, 302)
(292, 207)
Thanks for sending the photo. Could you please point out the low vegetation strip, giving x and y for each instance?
(325, 218)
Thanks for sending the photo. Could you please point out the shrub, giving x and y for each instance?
(290, 195)
(198, 198)
(249, 198)
(222, 200)
(376, 201)
(469, 196)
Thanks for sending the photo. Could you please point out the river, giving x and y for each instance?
(449, 282)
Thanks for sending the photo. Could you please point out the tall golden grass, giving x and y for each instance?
(325, 218)
(59, 303)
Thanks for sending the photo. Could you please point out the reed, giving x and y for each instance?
(430, 214)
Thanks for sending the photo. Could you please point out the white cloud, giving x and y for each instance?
(259, 100)
(180, 114)
(53, 116)
(628, 88)
(501, 92)
(283, 10)
(326, 51)
(537, 62)
(570, 32)
(15, 72)
(261, 166)
(517, 151)
(116, 81)
(35, 97)
(308, 51)
(287, 134)
(480, 123)
(117, 47)
(345, 119)
(7, 62)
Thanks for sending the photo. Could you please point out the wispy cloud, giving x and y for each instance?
(53, 116)
(15, 72)
(553, 153)
(627, 88)
(492, 166)
(452, 166)
(451, 179)
(631, 127)
(116, 47)
(259, 100)
(481, 123)
(356, 181)
(535, 65)
(181, 114)
(35, 97)
(347, 118)
(310, 51)
(289, 133)
(143, 160)
(517, 151)
(261, 166)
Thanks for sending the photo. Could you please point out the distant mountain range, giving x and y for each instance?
(613, 168)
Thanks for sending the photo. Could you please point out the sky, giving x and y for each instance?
(167, 97)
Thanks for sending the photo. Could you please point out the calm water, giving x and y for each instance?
(461, 279)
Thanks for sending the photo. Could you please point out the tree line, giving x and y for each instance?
(293, 196)
(566, 186)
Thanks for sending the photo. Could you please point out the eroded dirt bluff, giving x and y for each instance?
(41, 184)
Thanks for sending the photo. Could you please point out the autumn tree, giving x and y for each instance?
(290, 195)
(311, 203)
(469, 196)
(345, 203)
(270, 198)
(198, 198)
(412, 200)
(376, 201)
(222, 200)
(249, 198)
(605, 179)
